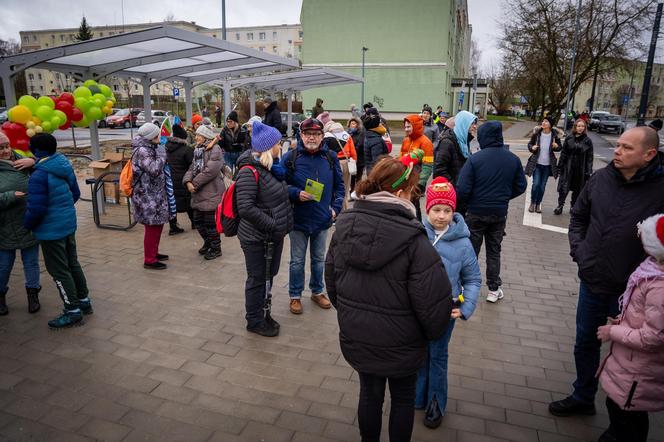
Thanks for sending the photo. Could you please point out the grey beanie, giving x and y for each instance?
(206, 132)
(149, 131)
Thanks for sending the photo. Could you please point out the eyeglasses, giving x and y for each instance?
(311, 134)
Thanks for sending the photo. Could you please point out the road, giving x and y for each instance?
(82, 135)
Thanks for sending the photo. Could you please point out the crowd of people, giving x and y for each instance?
(399, 277)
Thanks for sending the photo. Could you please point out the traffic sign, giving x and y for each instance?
(176, 92)
(461, 96)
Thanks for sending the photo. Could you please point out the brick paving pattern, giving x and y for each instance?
(166, 355)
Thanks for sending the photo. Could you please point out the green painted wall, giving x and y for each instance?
(395, 32)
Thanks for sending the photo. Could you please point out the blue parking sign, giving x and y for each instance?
(176, 92)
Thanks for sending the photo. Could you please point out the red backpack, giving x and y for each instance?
(226, 216)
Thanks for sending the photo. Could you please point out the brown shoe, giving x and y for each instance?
(296, 306)
(531, 209)
(538, 208)
(322, 301)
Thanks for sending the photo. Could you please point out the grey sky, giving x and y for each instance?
(18, 15)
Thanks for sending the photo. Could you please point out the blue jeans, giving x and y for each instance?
(432, 378)
(540, 177)
(298, 251)
(30, 258)
(591, 312)
(230, 158)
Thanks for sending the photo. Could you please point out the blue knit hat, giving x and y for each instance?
(263, 137)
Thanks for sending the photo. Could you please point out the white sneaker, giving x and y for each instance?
(495, 296)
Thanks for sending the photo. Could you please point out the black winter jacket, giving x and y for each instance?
(535, 141)
(273, 117)
(179, 155)
(602, 230)
(389, 287)
(232, 141)
(575, 164)
(374, 147)
(449, 160)
(264, 208)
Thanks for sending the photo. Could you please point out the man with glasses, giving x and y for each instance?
(316, 189)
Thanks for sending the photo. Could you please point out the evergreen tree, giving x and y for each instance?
(84, 31)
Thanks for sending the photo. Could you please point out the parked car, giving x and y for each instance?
(102, 123)
(3, 116)
(158, 117)
(611, 123)
(594, 119)
(123, 118)
(297, 119)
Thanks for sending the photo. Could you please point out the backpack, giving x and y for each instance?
(292, 159)
(127, 178)
(226, 217)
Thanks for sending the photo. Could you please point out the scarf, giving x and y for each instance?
(380, 130)
(172, 207)
(387, 197)
(199, 159)
(649, 269)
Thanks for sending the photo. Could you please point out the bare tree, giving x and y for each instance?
(503, 88)
(538, 36)
(475, 56)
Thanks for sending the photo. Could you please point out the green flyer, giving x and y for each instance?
(314, 188)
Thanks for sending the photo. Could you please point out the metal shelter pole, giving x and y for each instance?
(227, 98)
(147, 105)
(364, 50)
(289, 129)
(187, 101)
(223, 19)
(252, 101)
(10, 92)
(94, 141)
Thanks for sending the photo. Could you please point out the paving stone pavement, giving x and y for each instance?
(166, 357)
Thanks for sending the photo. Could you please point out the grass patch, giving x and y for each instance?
(503, 118)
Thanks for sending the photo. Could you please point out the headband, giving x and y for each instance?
(404, 177)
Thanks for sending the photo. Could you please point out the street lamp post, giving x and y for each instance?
(571, 69)
(364, 50)
(645, 90)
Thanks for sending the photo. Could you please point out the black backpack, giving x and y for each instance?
(292, 159)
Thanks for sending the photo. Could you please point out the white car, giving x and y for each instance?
(594, 119)
(158, 117)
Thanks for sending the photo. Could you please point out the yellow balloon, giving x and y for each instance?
(30, 132)
(108, 103)
(36, 120)
(30, 124)
(20, 114)
(38, 129)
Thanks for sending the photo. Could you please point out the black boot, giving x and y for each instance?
(432, 415)
(33, 299)
(175, 229)
(212, 253)
(3, 304)
(558, 210)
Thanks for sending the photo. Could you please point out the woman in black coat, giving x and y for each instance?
(542, 162)
(575, 165)
(391, 293)
(179, 155)
(265, 217)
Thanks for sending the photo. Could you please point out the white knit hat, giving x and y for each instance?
(149, 131)
(205, 132)
(252, 119)
(651, 231)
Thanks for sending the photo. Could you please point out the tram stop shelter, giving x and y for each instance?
(149, 56)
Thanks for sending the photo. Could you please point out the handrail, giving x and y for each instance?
(99, 182)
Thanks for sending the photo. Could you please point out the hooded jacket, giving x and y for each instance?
(52, 192)
(576, 163)
(318, 108)
(491, 177)
(460, 261)
(374, 147)
(179, 156)
(314, 216)
(602, 234)
(209, 182)
(389, 287)
(417, 140)
(432, 132)
(357, 135)
(264, 209)
(12, 209)
(273, 117)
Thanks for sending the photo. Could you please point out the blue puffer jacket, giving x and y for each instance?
(52, 192)
(310, 216)
(460, 262)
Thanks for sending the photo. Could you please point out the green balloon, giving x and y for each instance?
(55, 122)
(82, 92)
(106, 90)
(83, 122)
(89, 83)
(61, 115)
(82, 103)
(47, 126)
(44, 113)
(46, 101)
(30, 102)
(94, 113)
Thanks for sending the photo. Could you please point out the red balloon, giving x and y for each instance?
(76, 114)
(67, 125)
(6, 127)
(20, 143)
(65, 107)
(66, 96)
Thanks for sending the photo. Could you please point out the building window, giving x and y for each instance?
(41, 88)
(115, 88)
(34, 38)
(62, 37)
(301, 34)
(101, 34)
(52, 37)
(26, 39)
(237, 36)
(274, 49)
(46, 44)
(250, 36)
(31, 76)
(135, 87)
(261, 35)
(274, 35)
(39, 76)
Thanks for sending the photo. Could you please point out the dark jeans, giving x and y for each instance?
(591, 312)
(562, 196)
(370, 407)
(62, 264)
(540, 177)
(627, 426)
(491, 228)
(207, 228)
(254, 287)
(230, 158)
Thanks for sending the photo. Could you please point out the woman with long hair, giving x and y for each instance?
(575, 165)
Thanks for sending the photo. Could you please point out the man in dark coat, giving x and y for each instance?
(272, 115)
(487, 182)
(605, 245)
(179, 155)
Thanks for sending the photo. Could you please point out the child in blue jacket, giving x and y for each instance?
(450, 237)
(50, 214)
